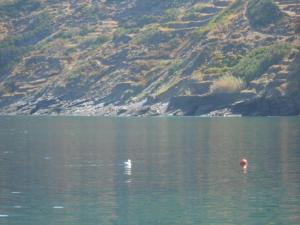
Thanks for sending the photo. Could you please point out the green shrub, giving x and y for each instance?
(220, 18)
(153, 35)
(173, 43)
(65, 35)
(120, 33)
(148, 34)
(168, 3)
(94, 43)
(14, 8)
(262, 12)
(257, 62)
(13, 48)
(221, 60)
(114, 1)
(172, 14)
(10, 85)
(85, 30)
(9, 56)
(195, 12)
(175, 67)
(101, 40)
(295, 67)
(37, 30)
(146, 19)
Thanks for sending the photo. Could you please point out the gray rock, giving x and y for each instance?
(280, 106)
(199, 105)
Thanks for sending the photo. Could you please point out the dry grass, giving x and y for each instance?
(227, 84)
(197, 75)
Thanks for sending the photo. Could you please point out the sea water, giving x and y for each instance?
(184, 171)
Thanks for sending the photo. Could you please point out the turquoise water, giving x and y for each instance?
(185, 171)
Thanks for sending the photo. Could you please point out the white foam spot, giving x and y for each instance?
(128, 181)
(16, 192)
(17, 207)
(128, 172)
(93, 165)
(58, 207)
(3, 215)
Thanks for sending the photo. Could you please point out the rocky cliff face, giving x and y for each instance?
(142, 57)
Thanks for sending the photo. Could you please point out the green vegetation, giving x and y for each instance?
(95, 43)
(263, 12)
(92, 14)
(114, 1)
(168, 85)
(101, 40)
(120, 33)
(220, 60)
(175, 67)
(172, 14)
(143, 20)
(13, 48)
(10, 86)
(85, 30)
(295, 67)
(9, 55)
(257, 62)
(195, 11)
(64, 35)
(219, 18)
(168, 3)
(153, 34)
(15, 7)
(173, 43)
(40, 28)
(217, 70)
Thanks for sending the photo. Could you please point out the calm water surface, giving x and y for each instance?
(70, 171)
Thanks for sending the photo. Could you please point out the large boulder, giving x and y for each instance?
(261, 106)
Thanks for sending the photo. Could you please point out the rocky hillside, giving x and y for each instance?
(150, 57)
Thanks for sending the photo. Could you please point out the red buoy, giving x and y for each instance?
(244, 163)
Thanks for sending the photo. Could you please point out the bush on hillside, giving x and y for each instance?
(175, 67)
(172, 14)
(12, 49)
(10, 86)
(114, 1)
(257, 62)
(17, 7)
(263, 12)
(153, 35)
(120, 33)
(168, 2)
